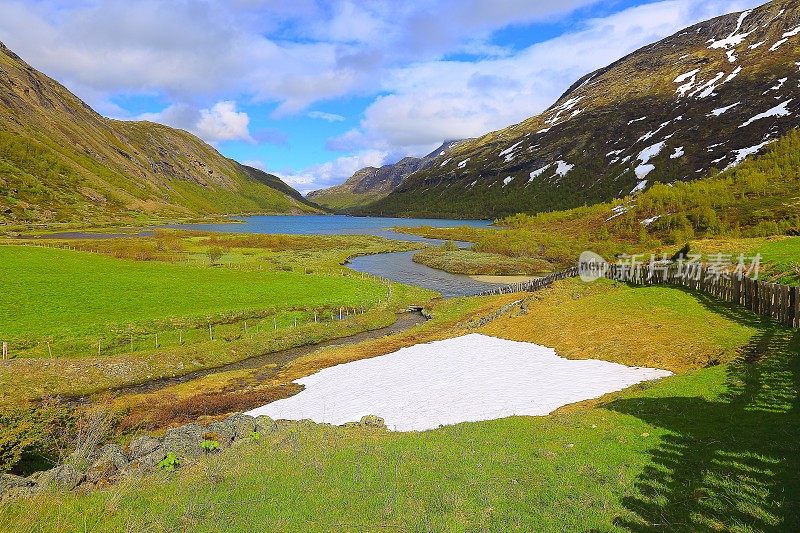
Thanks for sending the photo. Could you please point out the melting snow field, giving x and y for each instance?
(469, 378)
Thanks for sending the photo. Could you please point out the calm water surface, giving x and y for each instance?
(395, 266)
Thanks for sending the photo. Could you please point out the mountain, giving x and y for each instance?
(60, 161)
(703, 99)
(370, 184)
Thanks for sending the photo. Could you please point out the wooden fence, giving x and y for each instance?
(780, 302)
(533, 285)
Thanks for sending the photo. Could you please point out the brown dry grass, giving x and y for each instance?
(226, 392)
(647, 326)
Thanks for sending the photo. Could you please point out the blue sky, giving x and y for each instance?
(313, 90)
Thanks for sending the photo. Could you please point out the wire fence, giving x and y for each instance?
(116, 339)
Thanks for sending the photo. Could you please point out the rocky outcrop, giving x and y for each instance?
(109, 463)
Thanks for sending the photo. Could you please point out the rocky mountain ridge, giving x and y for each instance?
(371, 183)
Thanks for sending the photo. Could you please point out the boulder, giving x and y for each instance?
(149, 461)
(265, 424)
(64, 476)
(184, 441)
(242, 425)
(372, 421)
(221, 432)
(108, 461)
(142, 446)
(9, 482)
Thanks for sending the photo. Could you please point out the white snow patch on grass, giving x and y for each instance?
(508, 180)
(754, 46)
(538, 172)
(470, 378)
(707, 89)
(642, 185)
(636, 120)
(733, 74)
(445, 162)
(688, 80)
(735, 38)
(777, 87)
(786, 36)
(646, 222)
(678, 153)
(778, 111)
(463, 164)
(508, 153)
(641, 172)
(650, 152)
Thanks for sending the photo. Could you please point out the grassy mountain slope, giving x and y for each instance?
(62, 162)
(702, 99)
(371, 184)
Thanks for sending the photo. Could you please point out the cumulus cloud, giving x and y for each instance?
(220, 122)
(317, 177)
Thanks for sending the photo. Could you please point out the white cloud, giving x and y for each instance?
(223, 123)
(333, 172)
(428, 102)
(220, 122)
(327, 117)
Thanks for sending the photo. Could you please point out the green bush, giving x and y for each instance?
(169, 463)
(33, 433)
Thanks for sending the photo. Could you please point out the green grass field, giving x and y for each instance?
(56, 292)
(477, 263)
(710, 449)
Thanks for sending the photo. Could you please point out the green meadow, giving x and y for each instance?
(58, 292)
(713, 448)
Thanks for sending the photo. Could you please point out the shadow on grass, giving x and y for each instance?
(733, 463)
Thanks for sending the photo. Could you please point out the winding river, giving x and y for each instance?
(395, 266)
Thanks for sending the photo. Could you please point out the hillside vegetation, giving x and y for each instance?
(671, 112)
(758, 199)
(62, 162)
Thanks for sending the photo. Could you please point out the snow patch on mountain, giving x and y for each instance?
(780, 110)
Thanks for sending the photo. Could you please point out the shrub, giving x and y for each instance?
(169, 463)
(33, 432)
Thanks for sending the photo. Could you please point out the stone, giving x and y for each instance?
(10, 481)
(265, 424)
(142, 446)
(222, 432)
(108, 462)
(149, 461)
(64, 476)
(372, 421)
(242, 425)
(184, 441)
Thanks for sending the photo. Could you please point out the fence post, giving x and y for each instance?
(5, 350)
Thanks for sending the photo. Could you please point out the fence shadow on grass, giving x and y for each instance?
(732, 463)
